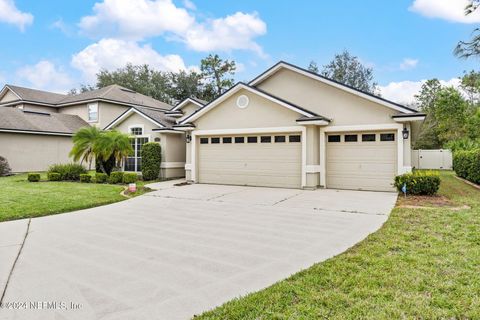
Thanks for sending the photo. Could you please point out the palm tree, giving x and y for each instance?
(92, 143)
(113, 144)
(84, 141)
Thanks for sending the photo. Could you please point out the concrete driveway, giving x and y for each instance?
(177, 251)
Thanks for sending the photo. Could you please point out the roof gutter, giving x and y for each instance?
(409, 117)
(49, 133)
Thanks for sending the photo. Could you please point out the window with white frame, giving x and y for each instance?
(92, 112)
(136, 131)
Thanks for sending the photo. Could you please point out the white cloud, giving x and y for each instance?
(46, 76)
(10, 14)
(111, 54)
(232, 32)
(141, 19)
(404, 91)
(62, 27)
(408, 63)
(135, 20)
(451, 10)
(189, 5)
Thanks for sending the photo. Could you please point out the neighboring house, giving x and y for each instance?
(112, 107)
(293, 128)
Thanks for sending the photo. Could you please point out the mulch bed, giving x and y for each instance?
(428, 202)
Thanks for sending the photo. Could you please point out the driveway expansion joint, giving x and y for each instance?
(4, 291)
(352, 212)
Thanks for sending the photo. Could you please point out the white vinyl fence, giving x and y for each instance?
(432, 159)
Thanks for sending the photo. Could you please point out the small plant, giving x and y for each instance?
(129, 177)
(151, 159)
(33, 177)
(419, 182)
(69, 171)
(54, 176)
(116, 177)
(85, 178)
(4, 167)
(101, 177)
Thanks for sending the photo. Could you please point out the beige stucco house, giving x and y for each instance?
(292, 128)
(36, 127)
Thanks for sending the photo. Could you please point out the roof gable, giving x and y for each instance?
(242, 86)
(186, 101)
(156, 117)
(280, 65)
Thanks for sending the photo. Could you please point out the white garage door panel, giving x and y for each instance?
(254, 164)
(361, 165)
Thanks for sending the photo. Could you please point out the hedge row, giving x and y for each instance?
(69, 171)
(418, 182)
(76, 172)
(466, 164)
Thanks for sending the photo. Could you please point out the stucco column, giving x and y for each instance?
(313, 156)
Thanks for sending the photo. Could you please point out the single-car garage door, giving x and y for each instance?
(268, 160)
(361, 161)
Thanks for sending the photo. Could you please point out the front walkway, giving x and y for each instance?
(178, 251)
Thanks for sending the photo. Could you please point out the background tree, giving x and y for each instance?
(470, 85)
(83, 88)
(347, 69)
(450, 113)
(142, 79)
(185, 84)
(217, 75)
(471, 48)
(313, 67)
(426, 100)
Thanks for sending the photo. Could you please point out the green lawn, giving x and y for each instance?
(22, 199)
(422, 264)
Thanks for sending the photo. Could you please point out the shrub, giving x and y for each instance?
(101, 177)
(466, 164)
(33, 177)
(115, 177)
(419, 182)
(69, 171)
(54, 176)
(85, 178)
(151, 159)
(463, 144)
(108, 165)
(4, 167)
(130, 177)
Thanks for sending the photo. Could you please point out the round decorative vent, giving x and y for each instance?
(157, 139)
(242, 101)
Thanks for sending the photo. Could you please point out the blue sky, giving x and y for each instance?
(57, 45)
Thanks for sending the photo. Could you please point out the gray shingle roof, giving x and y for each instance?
(119, 94)
(158, 116)
(16, 119)
(114, 93)
(37, 95)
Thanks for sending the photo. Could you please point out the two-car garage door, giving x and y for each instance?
(354, 160)
(361, 161)
(269, 160)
